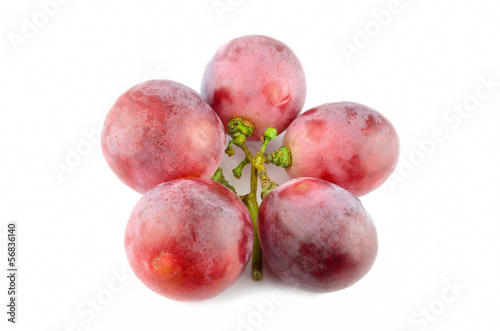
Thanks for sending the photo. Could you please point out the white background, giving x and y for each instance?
(438, 220)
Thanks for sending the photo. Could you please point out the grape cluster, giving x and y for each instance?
(191, 235)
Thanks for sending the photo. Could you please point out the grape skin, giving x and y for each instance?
(258, 78)
(161, 130)
(316, 235)
(345, 143)
(189, 239)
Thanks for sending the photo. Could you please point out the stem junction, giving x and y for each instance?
(239, 130)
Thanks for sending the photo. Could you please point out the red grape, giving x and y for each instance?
(316, 235)
(345, 143)
(257, 78)
(161, 130)
(189, 239)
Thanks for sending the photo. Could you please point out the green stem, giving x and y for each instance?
(237, 171)
(219, 178)
(247, 152)
(239, 129)
(269, 135)
(229, 150)
(250, 201)
(266, 183)
(282, 157)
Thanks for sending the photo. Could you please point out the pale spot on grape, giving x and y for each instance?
(200, 135)
(302, 188)
(315, 130)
